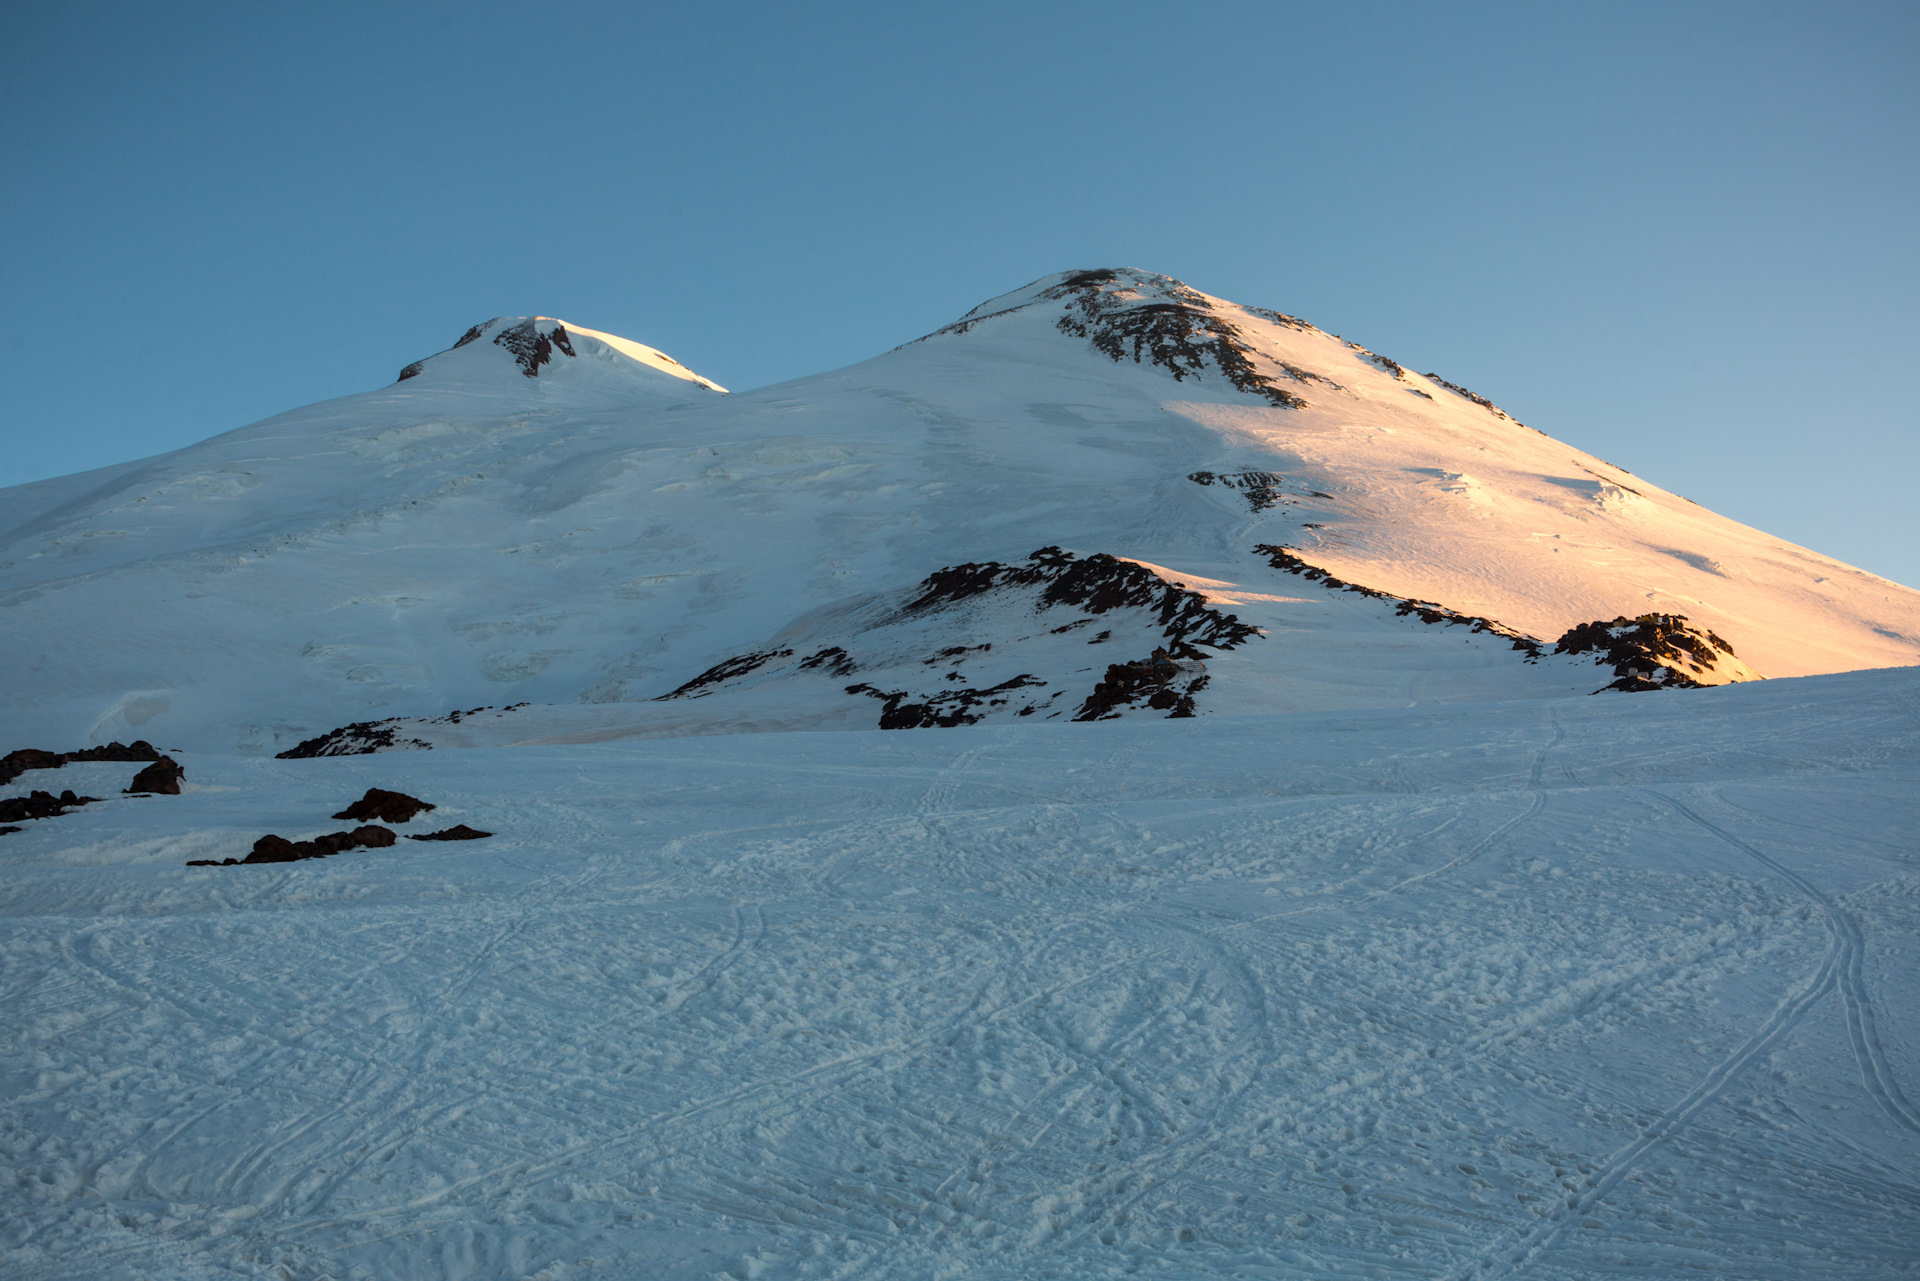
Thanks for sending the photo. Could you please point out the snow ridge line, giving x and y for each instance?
(1875, 1074)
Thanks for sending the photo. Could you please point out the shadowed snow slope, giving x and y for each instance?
(1568, 989)
(548, 515)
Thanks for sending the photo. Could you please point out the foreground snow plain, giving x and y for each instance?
(1564, 988)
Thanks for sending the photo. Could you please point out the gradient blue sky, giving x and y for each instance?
(1682, 236)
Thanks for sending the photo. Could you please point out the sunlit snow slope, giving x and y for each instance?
(551, 516)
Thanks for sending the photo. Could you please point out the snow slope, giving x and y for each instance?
(587, 532)
(1556, 988)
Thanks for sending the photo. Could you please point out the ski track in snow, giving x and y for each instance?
(1428, 994)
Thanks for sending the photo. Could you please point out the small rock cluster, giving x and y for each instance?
(1158, 681)
(1652, 651)
(14, 764)
(38, 804)
(378, 803)
(162, 774)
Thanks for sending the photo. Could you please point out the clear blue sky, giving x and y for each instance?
(1682, 236)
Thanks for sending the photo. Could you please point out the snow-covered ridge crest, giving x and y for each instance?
(534, 343)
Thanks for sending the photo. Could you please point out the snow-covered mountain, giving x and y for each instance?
(548, 516)
(1360, 943)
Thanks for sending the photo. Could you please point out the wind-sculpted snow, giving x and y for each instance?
(1562, 988)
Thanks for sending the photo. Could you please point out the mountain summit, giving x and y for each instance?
(532, 344)
(1104, 494)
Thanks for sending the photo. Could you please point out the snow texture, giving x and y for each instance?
(1568, 988)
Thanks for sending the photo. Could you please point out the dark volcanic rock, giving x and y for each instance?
(1181, 334)
(1262, 488)
(950, 603)
(162, 777)
(278, 849)
(139, 750)
(946, 709)
(8, 831)
(1648, 652)
(458, 832)
(38, 804)
(1160, 321)
(362, 738)
(725, 670)
(388, 807)
(1097, 584)
(14, 764)
(531, 347)
(1160, 681)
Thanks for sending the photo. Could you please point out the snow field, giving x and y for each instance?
(1574, 987)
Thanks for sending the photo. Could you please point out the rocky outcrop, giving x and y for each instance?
(14, 764)
(1014, 643)
(388, 807)
(944, 708)
(40, 804)
(1652, 651)
(458, 832)
(1171, 326)
(1095, 584)
(362, 738)
(160, 778)
(278, 849)
(1163, 682)
(532, 346)
(1157, 320)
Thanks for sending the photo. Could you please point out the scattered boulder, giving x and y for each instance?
(278, 849)
(40, 804)
(388, 807)
(8, 831)
(161, 777)
(459, 832)
(14, 764)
